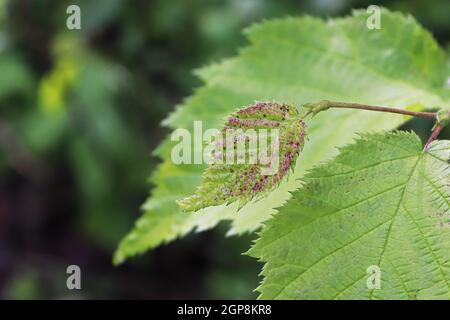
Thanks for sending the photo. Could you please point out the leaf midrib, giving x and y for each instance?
(395, 216)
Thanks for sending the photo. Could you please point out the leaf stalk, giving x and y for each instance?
(442, 117)
(322, 105)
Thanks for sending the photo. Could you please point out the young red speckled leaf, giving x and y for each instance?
(255, 150)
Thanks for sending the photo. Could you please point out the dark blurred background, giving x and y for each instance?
(79, 118)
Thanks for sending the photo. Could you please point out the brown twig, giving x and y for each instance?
(434, 134)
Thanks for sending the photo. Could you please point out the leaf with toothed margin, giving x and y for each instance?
(295, 60)
(255, 151)
(382, 205)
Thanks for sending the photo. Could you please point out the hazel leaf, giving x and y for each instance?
(251, 155)
(379, 210)
(296, 60)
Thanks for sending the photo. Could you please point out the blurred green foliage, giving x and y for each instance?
(79, 118)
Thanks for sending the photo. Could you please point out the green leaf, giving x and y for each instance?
(381, 202)
(295, 60)
(250, 155)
